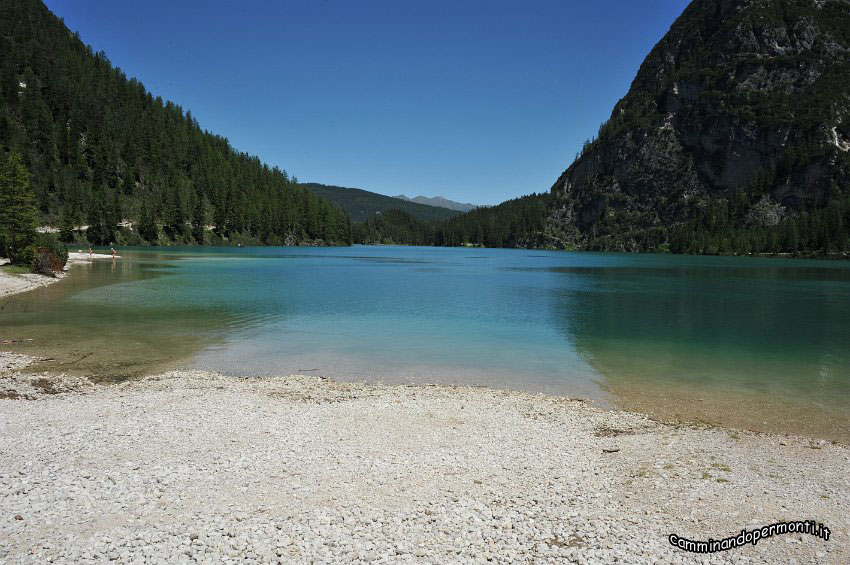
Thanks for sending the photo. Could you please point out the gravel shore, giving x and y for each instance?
(192, 466)
(24, 282)
(13, 284)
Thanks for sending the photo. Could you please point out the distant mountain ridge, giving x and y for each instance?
(440, 202)
(363, 205)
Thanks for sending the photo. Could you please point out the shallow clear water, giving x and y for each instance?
(756, 342)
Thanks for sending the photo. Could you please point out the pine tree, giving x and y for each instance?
(67, 225)
(199, 221)
(98, 230)
(18, 212)
(147, 225)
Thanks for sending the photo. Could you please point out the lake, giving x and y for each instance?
(757, 343)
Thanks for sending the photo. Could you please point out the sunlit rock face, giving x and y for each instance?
(740, 95)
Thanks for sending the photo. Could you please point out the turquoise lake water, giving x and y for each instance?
(756, 342)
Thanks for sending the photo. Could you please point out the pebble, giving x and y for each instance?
(191, 466)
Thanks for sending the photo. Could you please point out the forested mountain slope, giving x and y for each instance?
(515, 223)
(362, 205)
(734, 137)
(101, 149)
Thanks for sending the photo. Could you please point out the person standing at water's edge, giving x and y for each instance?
(113, 254)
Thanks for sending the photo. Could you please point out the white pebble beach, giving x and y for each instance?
(24, 282)
(192, 466)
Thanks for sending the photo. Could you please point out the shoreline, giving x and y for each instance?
(738, 410)
(727, 407)
(196, 464)
(18, 283)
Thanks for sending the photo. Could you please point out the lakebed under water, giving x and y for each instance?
(749, 342)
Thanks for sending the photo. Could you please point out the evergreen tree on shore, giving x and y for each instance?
(18, 212)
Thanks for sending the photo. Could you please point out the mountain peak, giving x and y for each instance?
(440, 202)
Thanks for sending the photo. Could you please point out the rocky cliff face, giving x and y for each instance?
(743, 107)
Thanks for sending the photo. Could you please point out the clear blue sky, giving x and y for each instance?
(475, 101)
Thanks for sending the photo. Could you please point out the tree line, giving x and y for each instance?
(739, 222)
(519, 222)
(743, 222)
